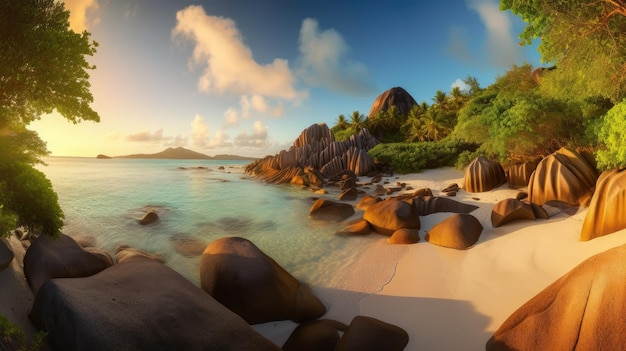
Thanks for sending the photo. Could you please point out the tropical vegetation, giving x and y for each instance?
(577, 100)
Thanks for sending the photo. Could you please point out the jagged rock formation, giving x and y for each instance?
(519, 174)
(483, 175)
(459, 231)
(608, 205)
(314, 155)
(583, 310)
(393, 97)
(565, 176)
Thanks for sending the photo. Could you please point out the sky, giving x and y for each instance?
(246, 77)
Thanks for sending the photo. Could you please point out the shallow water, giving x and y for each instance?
(197, 203)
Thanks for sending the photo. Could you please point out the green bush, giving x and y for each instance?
(415, 157)
(13, 338)
(611, 134)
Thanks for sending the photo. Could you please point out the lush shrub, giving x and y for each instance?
(343, 134)
(611, 134)
(415, 157)
(13, 338)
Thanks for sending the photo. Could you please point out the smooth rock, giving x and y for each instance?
(326, 210)
(356, 227)
(387, 216)
(509, 210)
(404, 236)
(370, 334)
(483, 175)
(606, 213)
(149, 218)
(6, 254)
(459, 231)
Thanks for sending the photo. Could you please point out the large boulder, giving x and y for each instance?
(248, 282)
(387, 216)
(397, 97)
(370, 334)
(326, 210)
(138, 305)
(320, 335)
(404, 236)
(425, 205)
(483, 175)
(566, 176)
(518, 175)
(459, 231)
(6, 254)
(509, 210)
(62, 257)
(608, 206)
(583, 310)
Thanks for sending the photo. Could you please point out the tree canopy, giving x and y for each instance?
(43, 67)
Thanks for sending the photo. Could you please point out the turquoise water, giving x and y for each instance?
(196, 200)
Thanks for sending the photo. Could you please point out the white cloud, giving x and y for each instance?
(82, 14)
(259, 104)
(461, 84)
(502, 45)
(324, 63)
(146, 136)
(201, 136)
(259, 138)
(228, 63)
(232, 117)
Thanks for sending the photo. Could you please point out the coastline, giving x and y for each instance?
(445, 299)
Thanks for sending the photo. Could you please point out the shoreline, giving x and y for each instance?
(445, 299)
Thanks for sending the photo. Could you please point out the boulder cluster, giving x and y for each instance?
(315, 156)
(85, 299)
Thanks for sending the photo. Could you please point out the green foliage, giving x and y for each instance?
(28, 195)
(13, 338)
(612, 133)
(584, 38)
(42, 63)
(43, 67)
(415, 157)
(344, 134)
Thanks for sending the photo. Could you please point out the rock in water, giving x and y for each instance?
(565, 176)
(149, 218)
(49, 258)
(326, 210)
(138, 305)
(583, 310)
(608, 206)
(483, 175)
(251, 284)
(396, 96)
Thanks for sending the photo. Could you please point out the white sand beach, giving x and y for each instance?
(445, 299)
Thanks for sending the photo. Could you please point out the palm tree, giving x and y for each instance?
(413, 125)
(341, 123)
(357, 121)
(433, 126)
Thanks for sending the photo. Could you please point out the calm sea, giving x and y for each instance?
(196, 201)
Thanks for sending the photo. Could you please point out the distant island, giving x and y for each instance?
(180, 153)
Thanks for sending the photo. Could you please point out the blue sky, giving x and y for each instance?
(246, 77)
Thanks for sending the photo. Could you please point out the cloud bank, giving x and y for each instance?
(324, 61)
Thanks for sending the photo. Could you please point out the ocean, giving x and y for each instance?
(197, 202)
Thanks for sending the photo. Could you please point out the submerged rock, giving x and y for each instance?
(326, 210)
(149, 218)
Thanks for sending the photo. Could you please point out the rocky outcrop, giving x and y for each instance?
(583, 310)
(389, 215)
(565, 176)
(518, 175)
(49, 258)
(396, 96)
(138, 305)
(316, 150)
(608, 206)
(459, 231)
(248, 282)
(6, 254)
(326, 210)
(483, 175)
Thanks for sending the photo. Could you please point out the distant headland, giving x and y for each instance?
(179, 153)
